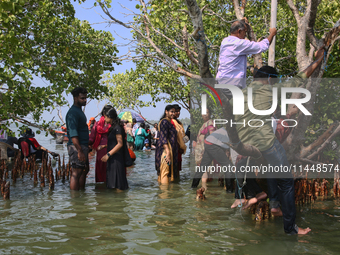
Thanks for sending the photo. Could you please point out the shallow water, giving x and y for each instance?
(149, 219)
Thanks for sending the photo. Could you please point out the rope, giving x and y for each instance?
(324, 59)
(212, 41)
(240, 192)
(204, 41)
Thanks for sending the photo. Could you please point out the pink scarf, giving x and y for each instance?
(100, 131)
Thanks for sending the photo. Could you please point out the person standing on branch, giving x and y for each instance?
(78, 133)
(263, 138)
(233, 55)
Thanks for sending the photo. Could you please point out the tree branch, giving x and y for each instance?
(60, 116)
(324, 145)
(163, 35)
(294, 10)
(196, 18)
(310, 28)
(203, 8)
(309, 161)
(219, 16)
(244, 3)
(163, 57)
(186, 46)
(284, 58)
(238, 11)
(306, 150)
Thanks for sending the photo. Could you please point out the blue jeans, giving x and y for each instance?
(282, 188)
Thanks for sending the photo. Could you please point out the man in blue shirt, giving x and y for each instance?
(78, 133)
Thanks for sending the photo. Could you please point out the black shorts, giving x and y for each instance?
(73, 156)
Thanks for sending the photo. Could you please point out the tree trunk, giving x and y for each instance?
(196, 18)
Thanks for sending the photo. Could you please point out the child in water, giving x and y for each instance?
(147, 145)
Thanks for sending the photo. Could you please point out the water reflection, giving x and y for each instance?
(150, 219)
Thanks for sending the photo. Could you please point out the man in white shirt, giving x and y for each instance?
(233, 55)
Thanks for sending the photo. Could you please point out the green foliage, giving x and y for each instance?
(327, 104)
(124, 89)
(44, 39)
(168, 18)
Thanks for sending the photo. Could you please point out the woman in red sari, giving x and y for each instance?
(98, 140)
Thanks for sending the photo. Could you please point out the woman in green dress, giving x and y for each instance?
(140, 136)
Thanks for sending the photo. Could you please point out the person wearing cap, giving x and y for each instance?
(147, 145)
(34, 148)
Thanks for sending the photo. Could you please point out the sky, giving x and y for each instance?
(95, 17)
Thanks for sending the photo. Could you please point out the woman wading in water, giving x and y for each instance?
(166, 156)
(98, 140)
(115, 171)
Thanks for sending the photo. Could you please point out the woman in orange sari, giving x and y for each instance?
(180, 136)
(166, 156)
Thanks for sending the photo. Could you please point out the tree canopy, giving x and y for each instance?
(173, 39)
(43, 39)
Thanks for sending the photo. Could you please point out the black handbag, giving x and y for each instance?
(127, 157)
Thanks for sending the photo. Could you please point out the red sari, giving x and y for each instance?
(99, 137)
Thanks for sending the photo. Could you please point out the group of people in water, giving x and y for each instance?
(113, 139)
(213, 146)
(26, 143)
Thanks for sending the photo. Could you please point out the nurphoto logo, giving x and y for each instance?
(238, 104)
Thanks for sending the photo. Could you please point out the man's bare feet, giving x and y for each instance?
(261, 196)
(276, 212)
(303, 231)
(254, 200)
(237, 202)
(249, 203)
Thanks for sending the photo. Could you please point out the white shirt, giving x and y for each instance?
(134, 128)
(233, 59)
(219, 137)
